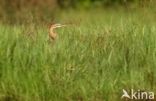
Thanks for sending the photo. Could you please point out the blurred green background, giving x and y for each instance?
(19, 11)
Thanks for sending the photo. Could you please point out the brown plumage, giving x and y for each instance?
(52, 34)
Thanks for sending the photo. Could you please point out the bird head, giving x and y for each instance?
(54, 26)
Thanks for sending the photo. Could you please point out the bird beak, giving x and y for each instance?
(58, 25)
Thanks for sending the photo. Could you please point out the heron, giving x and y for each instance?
(52, 34)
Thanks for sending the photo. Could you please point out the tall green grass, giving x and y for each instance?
(92, 60)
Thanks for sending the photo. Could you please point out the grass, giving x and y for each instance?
(92, 60)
